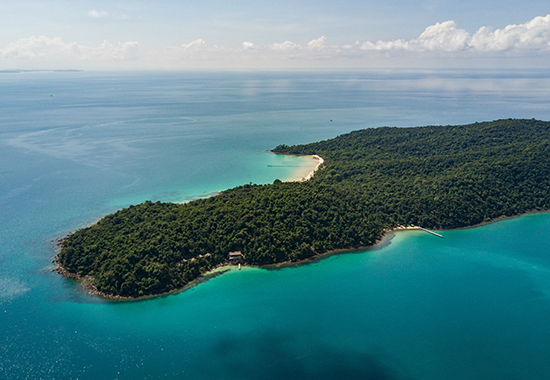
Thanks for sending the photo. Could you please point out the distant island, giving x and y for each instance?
(371, 181)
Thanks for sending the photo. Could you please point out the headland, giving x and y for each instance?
(373, 181)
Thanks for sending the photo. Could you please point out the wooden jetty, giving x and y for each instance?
(431, 232)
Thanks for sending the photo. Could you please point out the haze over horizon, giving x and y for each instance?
(212, 34)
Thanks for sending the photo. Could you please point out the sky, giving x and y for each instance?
(283, 34)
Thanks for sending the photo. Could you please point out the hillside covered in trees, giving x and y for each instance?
(374, 179)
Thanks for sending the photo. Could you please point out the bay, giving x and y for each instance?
(76, 146)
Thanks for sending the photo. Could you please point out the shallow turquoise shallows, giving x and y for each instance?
(75, 146)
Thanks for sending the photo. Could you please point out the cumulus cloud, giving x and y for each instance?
(534, 35)
(249, 45)
(443, 36)
(317, 44)
(54, 48)
(195, 45)
(439, 41)
(446, 37)
(290, 46)
(34, 47)
(439, 37)
(95, 14)
(285, 46)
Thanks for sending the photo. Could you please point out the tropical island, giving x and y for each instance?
(371, 181)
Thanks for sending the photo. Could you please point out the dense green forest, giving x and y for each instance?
(436, 176)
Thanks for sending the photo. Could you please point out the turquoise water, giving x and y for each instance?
(75, 146)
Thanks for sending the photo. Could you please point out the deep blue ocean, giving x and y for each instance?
(75, 146)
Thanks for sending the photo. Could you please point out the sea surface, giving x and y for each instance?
(75, 146)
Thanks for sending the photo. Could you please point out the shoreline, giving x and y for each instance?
(320, 162)
(383, 241)
(380, 242)
(91, 289)
(310, 175)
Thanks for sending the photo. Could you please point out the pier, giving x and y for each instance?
(287, 166)
(431, 232)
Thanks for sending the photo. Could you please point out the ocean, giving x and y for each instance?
(75, 146)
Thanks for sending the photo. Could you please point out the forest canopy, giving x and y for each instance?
(372, 180)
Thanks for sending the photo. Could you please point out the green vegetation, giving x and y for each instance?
(374, 179)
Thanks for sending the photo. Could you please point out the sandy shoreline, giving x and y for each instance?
(310, 175)
(319, 163)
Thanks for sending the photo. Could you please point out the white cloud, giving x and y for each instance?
(95, 14)
(285, 46)
(195, 45)
(444, 40)
(249, 45)
(534, 35)
(439, 37)
(55, 49)
(292, 46)
(445, 37)
(317, 44)
(350, 46)
(40, 47)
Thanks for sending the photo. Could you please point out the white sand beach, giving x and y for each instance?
(310, 175)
